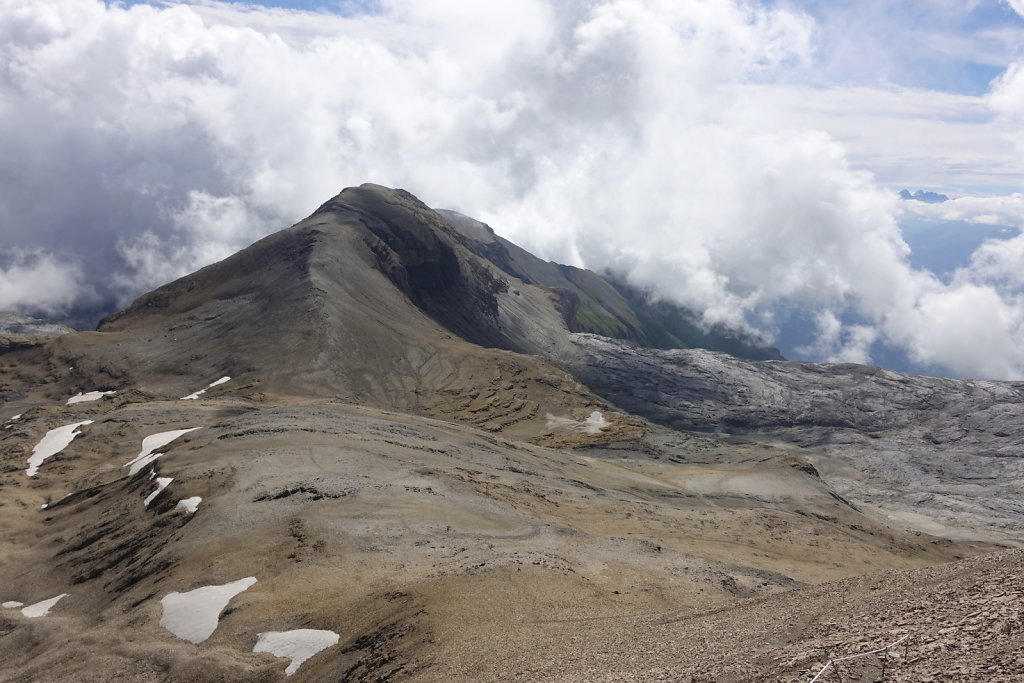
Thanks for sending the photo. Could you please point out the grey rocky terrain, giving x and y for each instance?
(17, 324)
(935, 454)
(395, 440)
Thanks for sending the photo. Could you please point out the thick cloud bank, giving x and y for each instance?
(141, 143)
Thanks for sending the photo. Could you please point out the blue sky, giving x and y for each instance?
(740, 158)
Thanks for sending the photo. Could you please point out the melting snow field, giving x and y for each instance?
(12, 603)
(211, 385)
(41, 609)
(161, 484)
(53, 443)
(298, 645)
(193, 615)
(189, 505)
(91, 396)
(149, 445)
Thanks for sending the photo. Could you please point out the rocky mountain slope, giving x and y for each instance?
(365, 448)
(604, 305)
(939, 455)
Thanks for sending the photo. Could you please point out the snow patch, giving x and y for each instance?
(298, 645)
(9, 423)
(189, 505)
(12, 603)
(196, 395)
(595, 423)
(53, 443)
(41, 609)
(161, 484)
(193, 615)
(149, 446)
(91, 396)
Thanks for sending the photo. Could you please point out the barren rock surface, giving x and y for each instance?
(939, 455)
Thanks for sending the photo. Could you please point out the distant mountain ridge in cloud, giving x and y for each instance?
(21, 325)
(923, 196)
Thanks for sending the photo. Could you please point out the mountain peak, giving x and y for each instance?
(923, 196)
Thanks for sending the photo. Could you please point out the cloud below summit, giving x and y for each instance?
(625, 135)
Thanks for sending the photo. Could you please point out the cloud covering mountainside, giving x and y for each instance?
(143, 142)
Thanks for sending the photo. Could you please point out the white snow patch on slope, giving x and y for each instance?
(189, 505)
(149, 446)
(53, 443)
(595, 423)
(12, 603)
(591, 425)
(9, 423)
(196, 395)
(91, 396)
(41, 609)
(193, 615)
(161, 484)
(298, 645)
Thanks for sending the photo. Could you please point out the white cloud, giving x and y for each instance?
(907, 137)
(649, 137)
(838, 343)
(1007, 100)
(1017, 6)
(997, 261)
(970, 328)
(998, 210)
(37, 281)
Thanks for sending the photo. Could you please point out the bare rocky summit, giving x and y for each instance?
(390, 431)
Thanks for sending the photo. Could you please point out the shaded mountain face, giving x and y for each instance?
(607, 306)
(386, 427)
